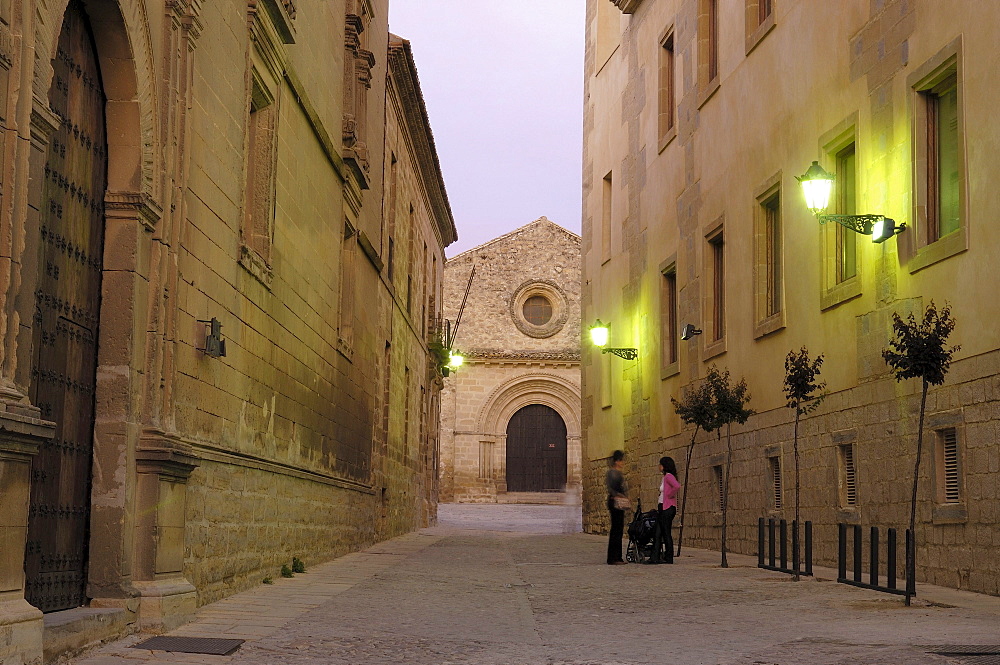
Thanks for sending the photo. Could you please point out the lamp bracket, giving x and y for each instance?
(627, 354)
(858, 223)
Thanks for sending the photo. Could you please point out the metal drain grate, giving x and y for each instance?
(969, 654)
(206, 645)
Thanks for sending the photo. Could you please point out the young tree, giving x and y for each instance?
(919, 350)
(804, 394)
(730, 407)
(696, 407)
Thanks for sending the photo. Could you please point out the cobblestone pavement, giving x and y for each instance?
(532, 590)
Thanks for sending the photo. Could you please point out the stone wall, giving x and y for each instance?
(510, 363)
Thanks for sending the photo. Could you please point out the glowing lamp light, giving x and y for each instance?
(817, 184)
(455, 360)
(599, 334)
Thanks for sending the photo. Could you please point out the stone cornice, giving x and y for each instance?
(404, 73)
(627, 6)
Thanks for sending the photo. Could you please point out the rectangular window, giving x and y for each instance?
(347, 280)
(391, 215)
(717, 247)
(713, 39)
(768, 259)
(668, 319)
(943, 211)
(667, 94)
(606, 218)
(847, 241)
(406, 412)
(949, 468)
(720, 493)
(774, 465)
(258, 214)
(772, 229)
(849, 477)
(763, 10)
(940, 168)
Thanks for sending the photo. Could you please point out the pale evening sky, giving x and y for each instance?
(503, 83)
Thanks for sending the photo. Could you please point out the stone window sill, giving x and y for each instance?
(847, 290)
(667, 138)
(771, 324)
(255, 264)
(708, 91)
(939, 250)
(714, 349)
(757, 36)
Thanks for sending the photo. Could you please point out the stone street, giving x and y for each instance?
(519, 585)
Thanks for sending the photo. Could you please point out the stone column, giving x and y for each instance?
(21, 434)
(167, 598)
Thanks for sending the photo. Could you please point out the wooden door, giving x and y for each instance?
(66, 319)
(536, 450)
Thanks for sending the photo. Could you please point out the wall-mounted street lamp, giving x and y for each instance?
(455, 361)
(817, 185)
(689, 331)
(599, 334)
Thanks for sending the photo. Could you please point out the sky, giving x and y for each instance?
(503, 84)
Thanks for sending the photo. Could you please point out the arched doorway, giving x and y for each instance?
(536, 450)
(65, 327)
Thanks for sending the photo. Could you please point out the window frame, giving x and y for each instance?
(925, 249)
(832, 291)
(667, 90)
(770, 305)
(709, 53)
(944, 510)
(758, 26)
(669, 320)
(714, 317)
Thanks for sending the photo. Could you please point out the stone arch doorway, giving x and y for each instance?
(536, 450)
(67, 314)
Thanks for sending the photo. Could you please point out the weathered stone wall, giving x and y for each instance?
(509, 362)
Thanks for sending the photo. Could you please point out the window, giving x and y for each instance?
(774, 466)
(358, 64)
(768, 260)
(668, 322)
(606, 218)
(537, 310)
(949, 485)
(759, 21)
(848, 477)
(939, 168)
(667, 94)
(258, 209)
(708, 49)
(406, 412)
(717, 250)
(390, 213)
(847, 240)
(348, 250)
(943, 212)
(772, 242)
(720, 487)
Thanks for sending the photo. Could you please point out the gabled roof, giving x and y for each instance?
(518, 231)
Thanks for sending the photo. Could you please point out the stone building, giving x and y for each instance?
(221, 229)
(510, 416)
(698, 116)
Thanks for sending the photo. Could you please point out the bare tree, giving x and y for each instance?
(730, 407)
(804, 394)
(695, 407)
(919, 350)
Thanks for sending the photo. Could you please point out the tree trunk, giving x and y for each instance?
(911, 551)
(796, 522)
(725, 491)
(684, 499)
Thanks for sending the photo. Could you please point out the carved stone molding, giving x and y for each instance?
(135, 205)
(498, 354)
(627, 6)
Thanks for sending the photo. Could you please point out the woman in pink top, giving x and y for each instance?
(663, 540)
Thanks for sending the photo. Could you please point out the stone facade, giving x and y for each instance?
(270, 166)
(510, 362)
(692, 215)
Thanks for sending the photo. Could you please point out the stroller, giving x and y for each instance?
(640, 535)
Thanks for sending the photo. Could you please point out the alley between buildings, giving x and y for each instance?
(520, 585)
